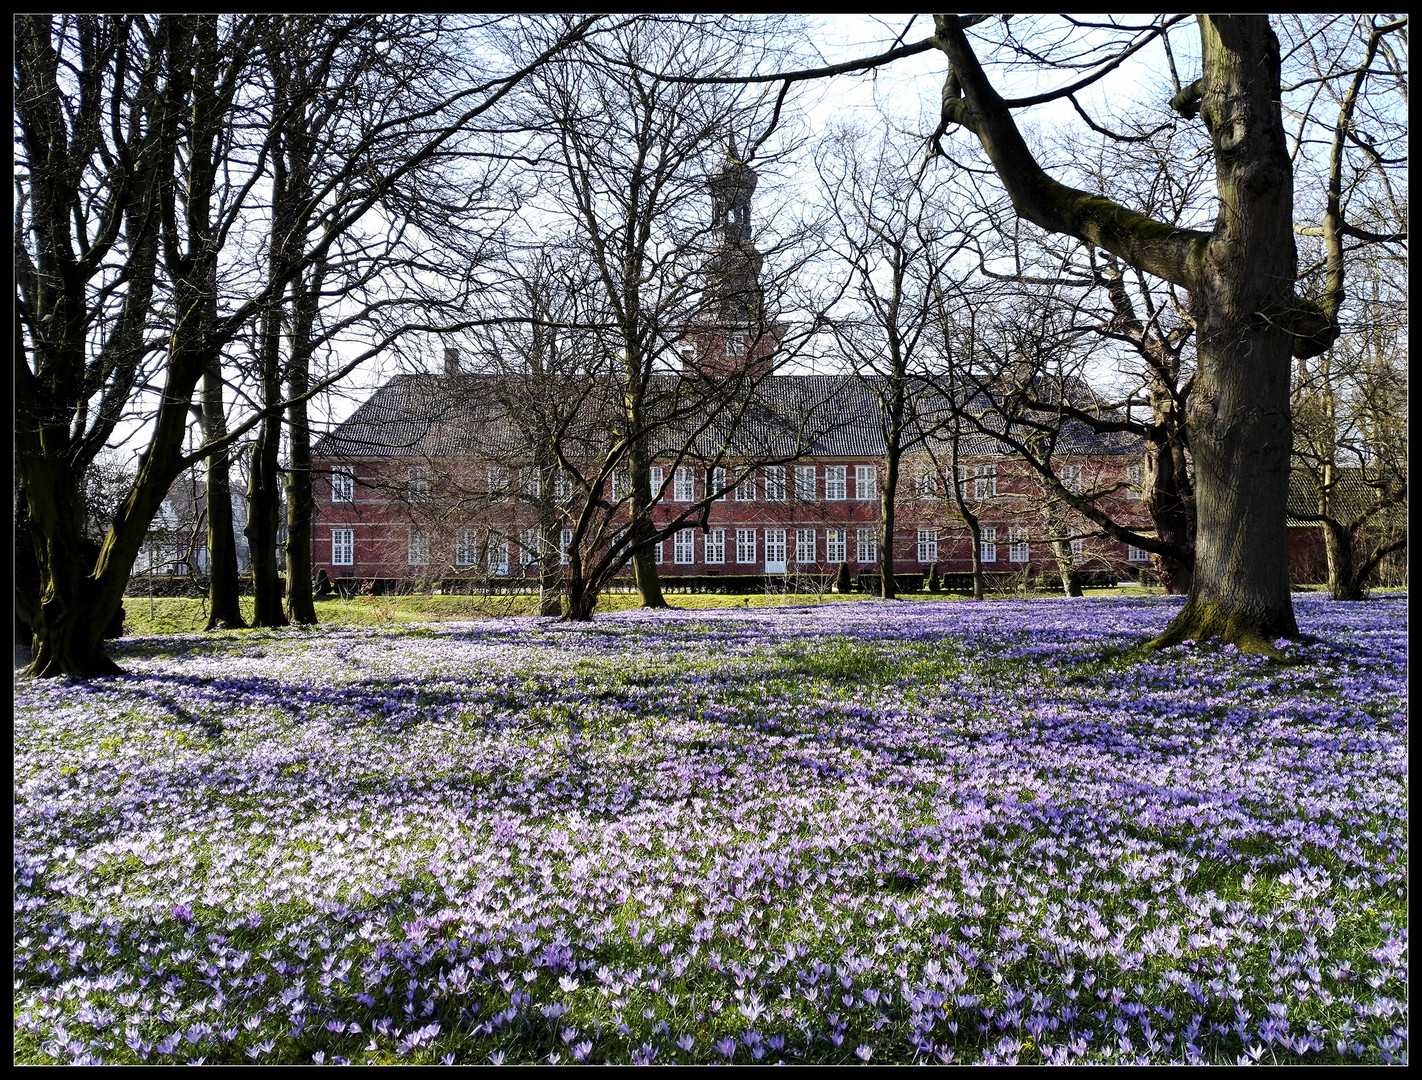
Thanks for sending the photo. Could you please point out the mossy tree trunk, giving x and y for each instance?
(1240, 276)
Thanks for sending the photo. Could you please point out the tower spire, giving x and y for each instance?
(734, 312)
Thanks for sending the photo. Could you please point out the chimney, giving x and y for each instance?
(451, 361)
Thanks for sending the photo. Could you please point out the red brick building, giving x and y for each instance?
(408, 493)
(434, 477)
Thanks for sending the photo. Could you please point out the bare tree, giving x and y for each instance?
(1349, 407)
(102, 108)
(1240, 275)
(898, 243)
(630, 153)
(1350, 451)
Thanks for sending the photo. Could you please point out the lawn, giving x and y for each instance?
(851, 832)
(181, 615)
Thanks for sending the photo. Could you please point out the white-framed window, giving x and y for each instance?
(715, 553)
(985, 483)
(417, 550)
(530, 543)
(621, 484)
(927, 545)
(1135, 554)
(466, 547)
(498, 556)
(1072, 478)
(1135, 477)
(736, 345)
(927, 486)
(563, 486)
(835, 482)
(684, 484)
(745, 490)
(657, 549)
(498, 476)
(834, 546)
(684, 546)
(1018, 548)
(965, 482)
(343, 484)
(417, 484)
(775, 483)
(805, 484)
(1078, 549)
(657, 477)
(565, 547)
(342, 547)
(804, 545)
(987, 546)
(745, 545)
(866, 548)
(718, 483)
(530, 483)
(775, 545)
(866, 481)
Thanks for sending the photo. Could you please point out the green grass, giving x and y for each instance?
(146, 616)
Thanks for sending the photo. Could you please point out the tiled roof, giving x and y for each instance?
(783, 416)
(1354, 493)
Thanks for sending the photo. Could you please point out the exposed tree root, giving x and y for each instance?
(1201, 620)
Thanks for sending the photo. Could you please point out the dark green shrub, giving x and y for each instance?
(842, 580)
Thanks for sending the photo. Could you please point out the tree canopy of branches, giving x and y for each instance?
(142, 200)
(898, 240)
(1240, 274)
(630, 155)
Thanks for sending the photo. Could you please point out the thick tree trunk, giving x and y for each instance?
(649, 583)
(1344, 583)
(550, 588)
(263, 523)
(300, 504)
(72, 608)
(223, 595)
(582, 599)
(1241, 431)
(1241, 278)
(975, 542)
(80, 597)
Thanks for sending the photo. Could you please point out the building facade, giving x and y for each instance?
(435, 479)
(396, 500)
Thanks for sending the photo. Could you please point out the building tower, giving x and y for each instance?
(734, 335)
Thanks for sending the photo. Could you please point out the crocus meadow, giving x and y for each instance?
(867, 832)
